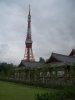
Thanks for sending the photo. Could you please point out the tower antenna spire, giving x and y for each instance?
(29, 9)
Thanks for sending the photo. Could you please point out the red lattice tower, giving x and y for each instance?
(28, 56)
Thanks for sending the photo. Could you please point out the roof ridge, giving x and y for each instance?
(63, 55)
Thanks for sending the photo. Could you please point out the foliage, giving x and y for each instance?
(5, 68)
(41, 60)
(65, 94)
(33, 83)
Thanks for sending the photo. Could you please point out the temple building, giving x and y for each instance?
(58, 69)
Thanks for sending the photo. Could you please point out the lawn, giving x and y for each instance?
(14, 91)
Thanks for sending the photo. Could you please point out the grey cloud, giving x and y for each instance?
(53, 27)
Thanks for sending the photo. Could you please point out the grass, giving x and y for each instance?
(13, 91)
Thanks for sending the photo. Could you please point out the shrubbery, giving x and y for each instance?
(65, 94)
(32, 83)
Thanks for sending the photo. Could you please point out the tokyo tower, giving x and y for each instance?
(28, 56)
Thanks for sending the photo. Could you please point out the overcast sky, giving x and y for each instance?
(53, 28)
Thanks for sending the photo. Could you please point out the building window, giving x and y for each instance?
(53, 72)
(48, 74)
(41, 74)
(60, 73)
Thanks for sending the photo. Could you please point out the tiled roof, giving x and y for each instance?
(30, 64)
(62, 58)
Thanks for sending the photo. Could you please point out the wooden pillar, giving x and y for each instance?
(28, 75)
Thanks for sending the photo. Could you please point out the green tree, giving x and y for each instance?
(41, 60)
